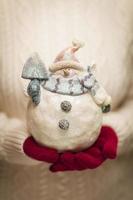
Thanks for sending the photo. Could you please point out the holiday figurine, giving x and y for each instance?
(66, 104)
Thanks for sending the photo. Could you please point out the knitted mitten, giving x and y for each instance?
(105, 147)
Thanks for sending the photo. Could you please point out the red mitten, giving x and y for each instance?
(105, 147)
(107, 142)
(38, 152)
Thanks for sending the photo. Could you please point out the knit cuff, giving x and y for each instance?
(11, 145)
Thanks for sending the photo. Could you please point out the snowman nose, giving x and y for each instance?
(66, 72)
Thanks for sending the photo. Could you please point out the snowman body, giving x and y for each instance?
(84, 119)
(64, 111)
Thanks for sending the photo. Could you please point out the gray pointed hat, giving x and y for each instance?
(34, 68)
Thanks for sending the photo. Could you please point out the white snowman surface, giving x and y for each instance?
(66, 104)
(85, 118)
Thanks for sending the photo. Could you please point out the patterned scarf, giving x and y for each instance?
(73, 86)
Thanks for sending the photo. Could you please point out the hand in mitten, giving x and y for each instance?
(16, 146)
(38, 152)
(105, 147)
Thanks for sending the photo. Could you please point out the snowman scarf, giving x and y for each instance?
(74, 86)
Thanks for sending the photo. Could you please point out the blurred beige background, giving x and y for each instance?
(47, 26)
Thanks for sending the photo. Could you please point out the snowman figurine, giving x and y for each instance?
(66, 102)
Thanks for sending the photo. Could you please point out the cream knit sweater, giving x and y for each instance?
(46, 27)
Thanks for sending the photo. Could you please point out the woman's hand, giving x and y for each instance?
(38, 152)
(104, 148)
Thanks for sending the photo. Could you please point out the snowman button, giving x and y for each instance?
(64, 124)
(66, 106)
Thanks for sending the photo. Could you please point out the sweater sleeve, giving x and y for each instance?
(121, 121)
(12, 136)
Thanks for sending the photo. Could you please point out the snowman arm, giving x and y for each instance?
(34, 91)
(35, 70)
(98, 93)
(100, 96)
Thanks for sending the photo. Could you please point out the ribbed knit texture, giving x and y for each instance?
(47, 27)
(13, 134)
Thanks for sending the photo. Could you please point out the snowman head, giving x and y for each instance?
(66, 64)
